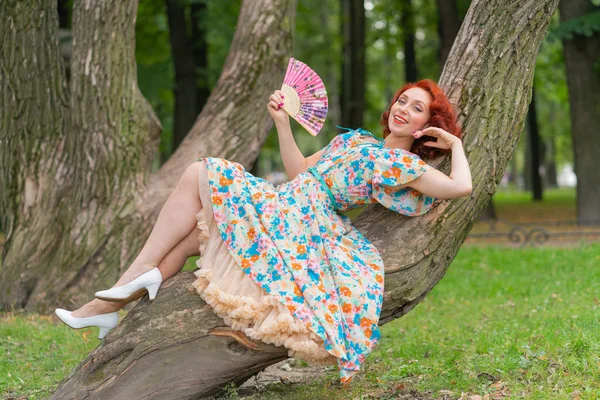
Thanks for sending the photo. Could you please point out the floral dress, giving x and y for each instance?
(281, 264)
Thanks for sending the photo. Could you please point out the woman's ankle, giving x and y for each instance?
(134, 271)
(96, 307)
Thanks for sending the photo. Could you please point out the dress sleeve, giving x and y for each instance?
(341, 140)
(393, 170)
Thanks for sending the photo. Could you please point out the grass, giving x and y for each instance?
(518, 322)
(502, 323)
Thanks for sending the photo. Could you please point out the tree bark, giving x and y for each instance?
(352, 93)
(448, 26)
(407, 26)
(488, 76)
(583, 80)
(109, 201)
(87, 152)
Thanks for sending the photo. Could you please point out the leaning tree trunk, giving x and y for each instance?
(171, 348)
(78, 203)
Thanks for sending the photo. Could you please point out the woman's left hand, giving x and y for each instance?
(445, 140)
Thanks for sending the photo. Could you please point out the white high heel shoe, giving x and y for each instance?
(106, 322)
(150, 282)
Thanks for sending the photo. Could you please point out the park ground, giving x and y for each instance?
(504, 322)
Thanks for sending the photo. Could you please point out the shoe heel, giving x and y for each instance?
(152, 290)
(103, 332)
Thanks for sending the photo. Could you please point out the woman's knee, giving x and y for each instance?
(190, 175)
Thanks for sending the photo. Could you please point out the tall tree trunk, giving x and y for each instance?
(331, 72)
(108, 200)
(550, 163)
(184, 89)
(533, 147)
(200, 46)
(87, 151)
(488, 77)
(64, 14)
(33, 110)
(581, 52)
(448, 26)
(352, 94)
(407, 26)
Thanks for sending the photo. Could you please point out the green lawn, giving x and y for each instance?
(506, 322)
(519, 322)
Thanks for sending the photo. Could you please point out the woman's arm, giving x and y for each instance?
(293, 159)
(435, 183)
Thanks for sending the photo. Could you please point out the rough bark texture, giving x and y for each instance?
(71, 164)
(185, 353)
(583, 80)
(489, 77)
(109, 202)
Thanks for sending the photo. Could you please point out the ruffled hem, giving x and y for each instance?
(243, 304)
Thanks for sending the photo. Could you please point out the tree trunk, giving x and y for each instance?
(101, 153)
(72, 190)
(184, 89)
(200, 46)
(583, 80)
(64, 14)
(352, 94)
(489, 212)
(334, 113)
(533, 147)
(550, 163)
(448, 27)
(169, 349)
(407, 26)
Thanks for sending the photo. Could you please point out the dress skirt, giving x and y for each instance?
(244, 305)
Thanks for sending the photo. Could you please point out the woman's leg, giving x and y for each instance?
(169, 266)
(175, 221)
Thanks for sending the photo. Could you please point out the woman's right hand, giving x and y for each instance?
(274, 107)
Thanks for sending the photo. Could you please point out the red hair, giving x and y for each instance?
(442, 115)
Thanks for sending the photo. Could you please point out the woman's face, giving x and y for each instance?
(410, 112)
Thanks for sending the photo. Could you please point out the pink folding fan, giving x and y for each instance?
(305, 96)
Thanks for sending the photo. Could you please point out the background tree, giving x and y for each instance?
(448, 26)
(489, 80)
(407, 24)
(190, 59)
(532, 167)
(74, 221)
(582, 56)
(352, 93)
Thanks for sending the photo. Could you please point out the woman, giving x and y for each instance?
(280, 263)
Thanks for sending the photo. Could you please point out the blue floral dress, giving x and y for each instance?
(292, 241)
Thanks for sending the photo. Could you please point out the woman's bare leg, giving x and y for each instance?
(169, 266)
(175, 221)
